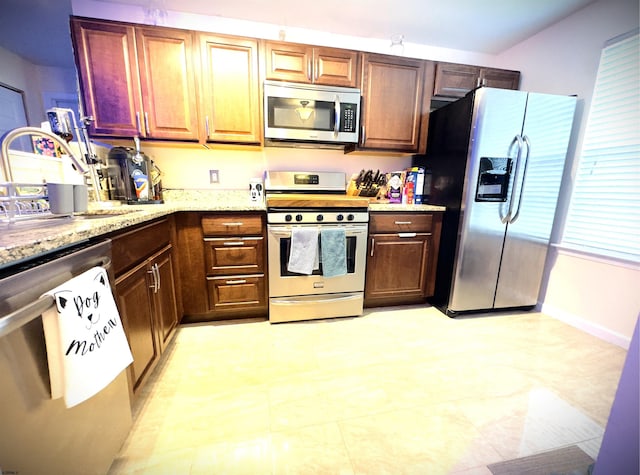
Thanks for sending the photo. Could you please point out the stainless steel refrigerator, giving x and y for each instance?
(496, 159)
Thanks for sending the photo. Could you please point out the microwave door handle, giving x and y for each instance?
(336, 124)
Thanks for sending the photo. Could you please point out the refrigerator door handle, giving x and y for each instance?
(524, 177)
(517, 140)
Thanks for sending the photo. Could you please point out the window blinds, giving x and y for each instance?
(604, 212)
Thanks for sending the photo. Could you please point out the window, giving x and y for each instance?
(604, 213)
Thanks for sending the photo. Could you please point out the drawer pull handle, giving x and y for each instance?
(233, 224)
(407, 235)
(235, 243)
(239, 281)
(402, 222)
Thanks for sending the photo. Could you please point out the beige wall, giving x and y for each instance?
(21, 74)
(34, 81)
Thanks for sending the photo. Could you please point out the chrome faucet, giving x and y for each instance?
(8, 137)
(81, 167)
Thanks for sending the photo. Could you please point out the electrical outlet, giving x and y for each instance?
(214, 176)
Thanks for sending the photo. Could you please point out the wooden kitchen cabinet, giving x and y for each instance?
(396, 93)
(230, 98)
(107, 66)
(456, 80)
(223, 265)
(146, 294)
(168, 81)
(402, 257)
(137, 80)
(311, 64)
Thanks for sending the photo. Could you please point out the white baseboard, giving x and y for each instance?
(586, 326)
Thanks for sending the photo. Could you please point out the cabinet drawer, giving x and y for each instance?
(400, 222)
(132, 247)
(236, 293)
(234, 255)
(232, 225)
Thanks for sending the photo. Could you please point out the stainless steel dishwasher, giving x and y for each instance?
(39, 434)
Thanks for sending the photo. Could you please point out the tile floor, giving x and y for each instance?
(402, 390)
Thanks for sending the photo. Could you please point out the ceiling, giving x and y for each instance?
(488, 26)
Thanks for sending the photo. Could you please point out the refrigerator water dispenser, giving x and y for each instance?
(493, 179)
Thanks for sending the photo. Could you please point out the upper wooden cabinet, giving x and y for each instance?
(230, 98)
(395, 102)
(168, 81)
(107, 65)
(308, 64)
(137, 80)
(456, 80)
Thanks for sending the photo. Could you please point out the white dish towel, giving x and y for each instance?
(86, 344)
(303, 255)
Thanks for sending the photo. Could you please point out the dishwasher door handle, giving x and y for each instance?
(24, 315)
(20, 317)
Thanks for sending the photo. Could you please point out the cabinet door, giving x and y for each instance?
(134, 304)
(455, 80)
(107, 67)
(335, 67)
(164, 297)
(397, 266)
(230, 86)
(392, 97)
(288, 62)
(167, 77)
(500, 78)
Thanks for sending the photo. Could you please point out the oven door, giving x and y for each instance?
(285, 283)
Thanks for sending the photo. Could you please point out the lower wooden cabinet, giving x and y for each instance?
(146, 295)
(402, 257)
(222, 265)
(136, 311)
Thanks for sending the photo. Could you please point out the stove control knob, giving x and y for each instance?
(298, 217)
(288, 218)
(340, 217)
(350, 217)
(319, 217)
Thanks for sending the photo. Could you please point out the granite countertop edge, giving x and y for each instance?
(23, 240)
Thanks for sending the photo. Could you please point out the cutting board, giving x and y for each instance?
(301, 200)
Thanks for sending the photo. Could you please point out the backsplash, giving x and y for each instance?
(187, 167)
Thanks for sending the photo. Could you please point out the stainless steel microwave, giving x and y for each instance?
(311, 113)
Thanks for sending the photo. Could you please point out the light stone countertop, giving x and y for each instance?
(25, 239)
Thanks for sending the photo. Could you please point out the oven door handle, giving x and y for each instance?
(278, 233)
(319, 300)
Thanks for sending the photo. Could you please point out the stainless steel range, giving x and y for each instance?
(314, 205)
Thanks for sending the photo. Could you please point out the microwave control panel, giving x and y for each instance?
(348, 117)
